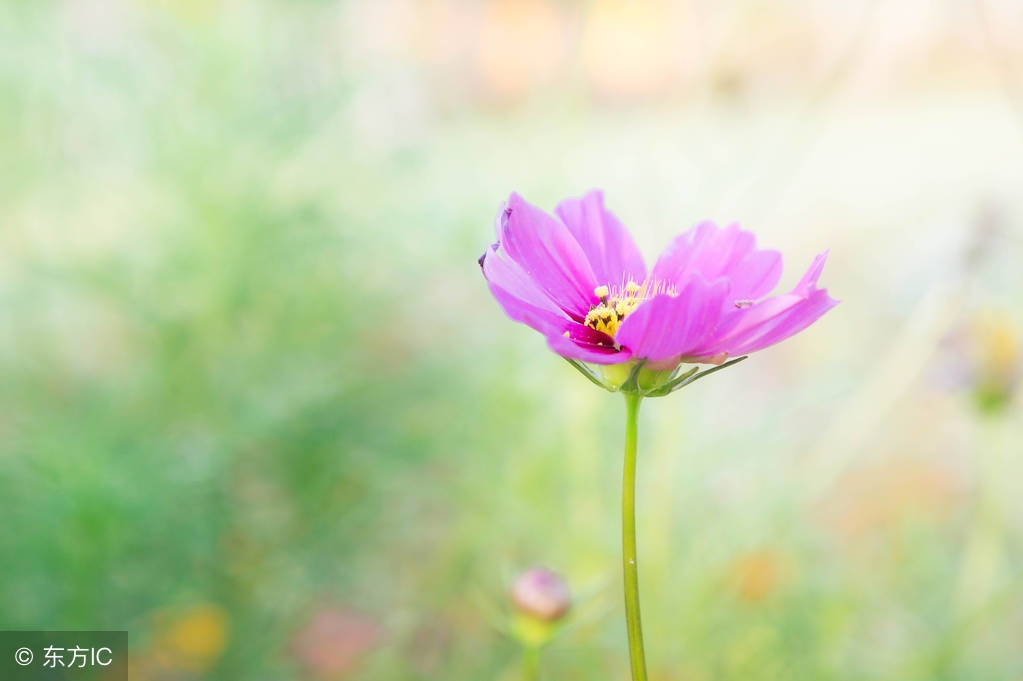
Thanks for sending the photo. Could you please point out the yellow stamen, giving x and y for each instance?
(616, 305)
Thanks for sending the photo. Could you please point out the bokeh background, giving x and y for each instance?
(258, 407)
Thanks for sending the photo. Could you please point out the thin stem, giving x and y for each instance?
(629, 563)
(531, 663)
(984, 555)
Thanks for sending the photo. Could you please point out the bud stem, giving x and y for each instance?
(531, 663)
(629, 562)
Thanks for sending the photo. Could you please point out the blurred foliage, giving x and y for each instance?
(255, 401)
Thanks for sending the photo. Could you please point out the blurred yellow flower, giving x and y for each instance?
(757, 575)
(629, 49)
(874, 498)
(192, 639)
(521, 44)
(996, 350)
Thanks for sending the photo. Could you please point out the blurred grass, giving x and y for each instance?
(248, 368)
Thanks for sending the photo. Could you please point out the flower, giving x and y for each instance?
(756, 575)
(540, 599)
(185, 643)
(541, 594)
(996, 363)
(578, 278)
(334, 641)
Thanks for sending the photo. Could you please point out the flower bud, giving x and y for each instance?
(541, 594)
(997, 363)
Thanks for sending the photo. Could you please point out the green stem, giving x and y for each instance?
(531, 663)
(983, 557)
(629, 563)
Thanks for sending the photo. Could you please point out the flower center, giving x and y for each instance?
(616, 304)
(607, 316)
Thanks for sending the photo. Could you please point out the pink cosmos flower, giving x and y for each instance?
(541, 594)
(577, 277)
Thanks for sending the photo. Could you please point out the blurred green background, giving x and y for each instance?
(258, 408)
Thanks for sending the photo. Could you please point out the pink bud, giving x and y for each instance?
(542, 594)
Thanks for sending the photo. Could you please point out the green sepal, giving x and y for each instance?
(690, 377)
(585, 371)
(642, 381)
(631, 384)
(645, 382)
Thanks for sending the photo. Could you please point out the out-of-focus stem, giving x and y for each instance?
(983, 558)
(630, 566)
(531, 663)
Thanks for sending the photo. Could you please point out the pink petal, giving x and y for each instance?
(773, 319)
(809, 281)
(713, 252)
(581, 346)
(608, 246)
(787, 324)
(757, 275)
(544, 321)
(519, 296)
(524, 303)
(668, 326)
(548, 254)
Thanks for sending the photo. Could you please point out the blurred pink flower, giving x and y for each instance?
(542, 594)
(334, 641)
(578, 278)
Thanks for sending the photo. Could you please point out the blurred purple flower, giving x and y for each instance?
(541, 594)
(578, 278)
